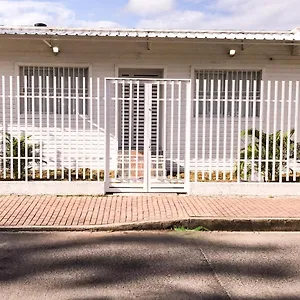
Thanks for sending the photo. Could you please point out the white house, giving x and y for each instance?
(148, 108)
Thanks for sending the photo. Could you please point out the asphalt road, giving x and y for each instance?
(156, 265)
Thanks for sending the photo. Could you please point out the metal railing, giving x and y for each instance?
(238, 132)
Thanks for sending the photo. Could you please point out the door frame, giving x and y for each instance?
(142, 67)
(144, 71)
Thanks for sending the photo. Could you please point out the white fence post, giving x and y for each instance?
(107, 136)
(188, 136)
(11, 128)
(289, 132)
(232, 130)
(225, 130)
(281, 129)
(4, 127)
(296, 130)
(204, 128)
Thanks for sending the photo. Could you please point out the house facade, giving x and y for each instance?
(148, 110)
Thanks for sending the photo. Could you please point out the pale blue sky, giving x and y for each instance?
(181, 14)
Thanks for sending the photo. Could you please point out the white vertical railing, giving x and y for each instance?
(267, 143)
(261, 122)
(35, 143)
(282, 132)
(225, 130)
(253, 146)
(40, 124)
(211, 123)
(11, 126)
(188, 134)
(296, 155)
(62, 129)
(26, 127)
(179, 129)
(84, 128)
(18, 127)
(289, 121)
(246, 130)
(197, 131)
(69, 130)
(48, 123)
(258, 120)
(232, 129)
(275, 130)
(3, 128)
(61, 121)
(172, 128)
(55, 127)
(157, 130)
(218, 129)
(204, 129)
(116, 94)
(239, 139)
(33, 124)
(130, 129)
(90, 101)
(98, 128)
(165, 129)
(106, 135)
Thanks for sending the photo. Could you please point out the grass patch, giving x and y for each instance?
(182, 228)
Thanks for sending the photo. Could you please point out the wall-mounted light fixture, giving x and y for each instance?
(55, 49)
(232, 52)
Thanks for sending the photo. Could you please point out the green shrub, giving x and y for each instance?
(267, 142)
(19, 155)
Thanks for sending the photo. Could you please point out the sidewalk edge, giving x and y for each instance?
(211, 224)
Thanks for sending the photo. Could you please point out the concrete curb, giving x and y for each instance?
(212, 224)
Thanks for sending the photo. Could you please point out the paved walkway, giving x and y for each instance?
(74, 211)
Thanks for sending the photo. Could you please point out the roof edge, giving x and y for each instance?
(122, 29)
(293, 35)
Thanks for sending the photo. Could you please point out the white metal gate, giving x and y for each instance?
(147, 127)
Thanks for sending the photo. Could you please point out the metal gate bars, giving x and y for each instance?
(147, 135)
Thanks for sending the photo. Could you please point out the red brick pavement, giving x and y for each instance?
(87, 210)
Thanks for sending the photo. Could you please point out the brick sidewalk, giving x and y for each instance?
(71, 211)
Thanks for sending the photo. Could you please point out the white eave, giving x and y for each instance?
(289, 36)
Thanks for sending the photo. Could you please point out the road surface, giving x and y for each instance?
(151, 265)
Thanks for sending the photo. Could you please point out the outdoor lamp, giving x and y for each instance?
(55, 50)
(232, 52)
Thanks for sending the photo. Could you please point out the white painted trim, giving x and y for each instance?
(52, 188)
(224, 67)
(221, 66)
(169, 189)
(195, 68)
(140, 66)
(244, 189)
(17, 66)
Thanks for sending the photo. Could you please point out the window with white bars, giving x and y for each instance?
(216, 86)
(54, 90)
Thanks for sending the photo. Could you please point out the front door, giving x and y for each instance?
(147, 137)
